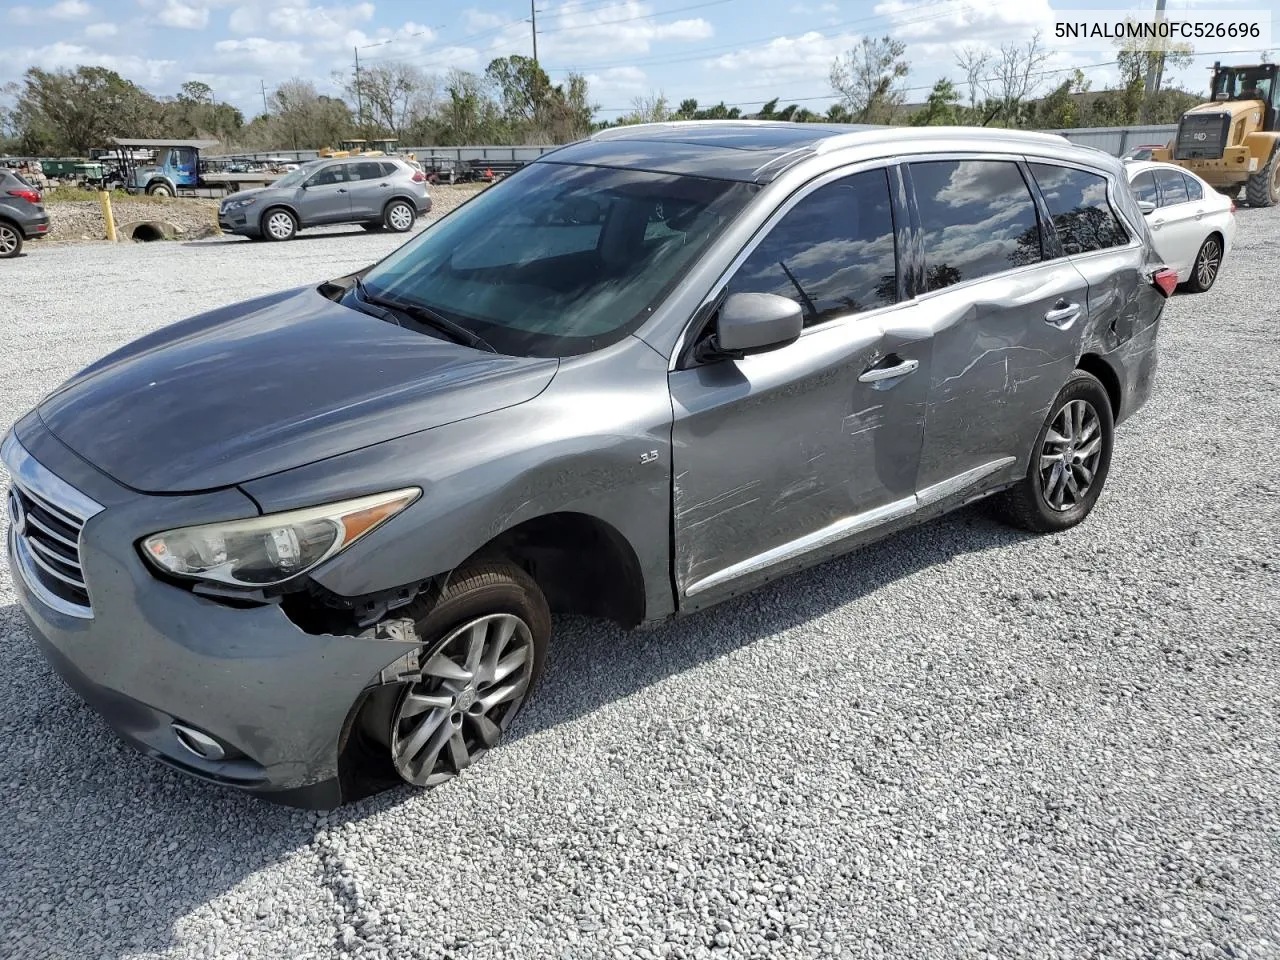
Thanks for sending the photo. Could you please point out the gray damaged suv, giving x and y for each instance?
(376, 192)
(310, 544)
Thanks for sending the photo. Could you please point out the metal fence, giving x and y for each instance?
(1118, 140)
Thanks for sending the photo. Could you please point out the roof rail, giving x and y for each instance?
(856, 138)
(613, 133)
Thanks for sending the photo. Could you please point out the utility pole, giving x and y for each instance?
(1155, 71)
(533, 20)
(265, 109)
(360, 93)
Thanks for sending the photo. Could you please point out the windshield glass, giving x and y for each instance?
(559, 260)
(1244, 84)
(295, 177)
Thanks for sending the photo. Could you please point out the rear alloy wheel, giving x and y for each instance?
(399, 217)
(1069, 463)
(1263, 188)
(10, 241)
(279, 225)
(1208, 262)
(485, 643)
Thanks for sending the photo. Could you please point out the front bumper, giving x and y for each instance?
(238, 222)
(280, 700)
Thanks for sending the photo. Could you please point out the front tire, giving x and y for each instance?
(159, 190)
(10, 241)
(1263, 188)
(1069, 462)
(399, 216)
(279, 224)
(485, 643)
(1207, 264)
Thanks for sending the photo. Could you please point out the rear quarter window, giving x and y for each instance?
(1082, 214)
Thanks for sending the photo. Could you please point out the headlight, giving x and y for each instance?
(264, 551)
(238, 204)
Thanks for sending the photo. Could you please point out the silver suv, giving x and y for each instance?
(311, 544)
(376, 192)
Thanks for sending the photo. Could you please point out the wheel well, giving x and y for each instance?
(1094, 364)
(279, 206)
(413, 205)
(582, 565)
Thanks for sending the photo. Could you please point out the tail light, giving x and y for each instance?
(1165, 280)
(1233, 206)
(419, 177)
(31, 196)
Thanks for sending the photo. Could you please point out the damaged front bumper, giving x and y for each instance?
(158, 662)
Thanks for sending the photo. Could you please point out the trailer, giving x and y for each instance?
(177, 170)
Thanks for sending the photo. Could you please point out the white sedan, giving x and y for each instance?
(1191, 223)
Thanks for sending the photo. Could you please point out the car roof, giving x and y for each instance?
(759, 150)
(1134, 167)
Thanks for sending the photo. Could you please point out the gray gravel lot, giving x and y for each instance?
(963, 742)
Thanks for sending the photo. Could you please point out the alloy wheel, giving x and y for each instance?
(401, 217)
(280, 225)
(1070, 455)
(469, 691)
(1208, 264)
(8, 240)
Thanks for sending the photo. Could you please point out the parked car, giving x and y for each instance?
(376, 192)
(22, 214)
(310, 544)
(1143, 151)
(1192, 224)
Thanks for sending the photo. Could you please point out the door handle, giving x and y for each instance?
(1062, 316)
(342, 189)
(1155, 224)
(876, 374)
(1199, 214)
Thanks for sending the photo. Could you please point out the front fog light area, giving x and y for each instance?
(265, 551)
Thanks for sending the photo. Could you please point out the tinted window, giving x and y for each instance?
(1078, 204)
(833, 252)
(333, 174)
(389, 168)
(1144, 188)
(367, 170)
(1194, 190)
(978, 218)
(1173, 187)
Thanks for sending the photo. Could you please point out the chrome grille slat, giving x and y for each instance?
(51, 515)
(50, 554)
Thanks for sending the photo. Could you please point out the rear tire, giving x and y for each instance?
(484, 647)
(399, 216)
(10, 241)
(1069, 462)
(1263, 188)
(1207, 264)
(279, 224)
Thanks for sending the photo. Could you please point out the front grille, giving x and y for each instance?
(46, 517)
(1202, 136)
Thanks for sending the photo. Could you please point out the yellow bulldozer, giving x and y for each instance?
(1233, 141)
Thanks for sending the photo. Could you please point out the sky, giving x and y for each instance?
(740, 51)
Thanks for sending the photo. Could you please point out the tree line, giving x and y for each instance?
(513, 101)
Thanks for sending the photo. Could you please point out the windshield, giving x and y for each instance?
(295, 177)
(559, 260)
(1244, 84)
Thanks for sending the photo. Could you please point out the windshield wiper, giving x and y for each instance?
(425, 315)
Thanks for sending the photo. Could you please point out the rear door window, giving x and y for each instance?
(1194, 190)
(1144, 188)
(1077, 201)
(978, 218)
(833, 252)
(1173, 187)
(366, 170)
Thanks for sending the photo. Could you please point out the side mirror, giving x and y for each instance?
(1146, 206)
(753, 323)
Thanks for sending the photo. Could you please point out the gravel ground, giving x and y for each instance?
(963, 742)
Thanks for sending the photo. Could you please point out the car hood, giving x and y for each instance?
(253, 194)
(271, 384)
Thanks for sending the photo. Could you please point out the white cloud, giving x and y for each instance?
(245, 20)
(262, 53)
(70, 10)
(183, 16)
(960, 22)
(63, 55)
(99, 30)
(808, 56)
(570, 33)
(617, 84)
